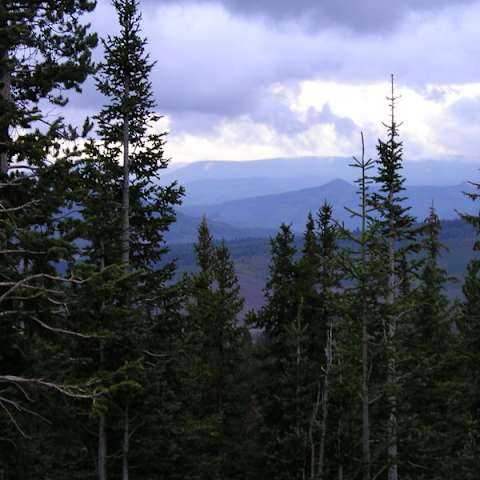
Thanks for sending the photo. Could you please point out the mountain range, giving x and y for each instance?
(245, 202)
(269, 211)
(448, 171)
(251, 199)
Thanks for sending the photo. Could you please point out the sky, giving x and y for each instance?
(250, 79)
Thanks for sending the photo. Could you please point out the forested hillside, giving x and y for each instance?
(126, 355)
(252, 255)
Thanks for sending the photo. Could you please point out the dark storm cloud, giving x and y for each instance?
(274, 112)
(217, 60)
(358, 15)
(271, 110)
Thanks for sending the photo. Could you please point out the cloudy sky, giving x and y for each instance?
(247, 79)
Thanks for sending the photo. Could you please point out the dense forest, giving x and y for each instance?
(357, 366)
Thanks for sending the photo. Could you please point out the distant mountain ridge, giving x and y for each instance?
(211, 191)
(269, 211)
(437, 172)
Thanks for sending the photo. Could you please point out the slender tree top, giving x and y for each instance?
(124, 79)
(473, 220)
(389, 201)
(204, 248)
(309, 238)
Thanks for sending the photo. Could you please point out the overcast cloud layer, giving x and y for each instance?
(256, 78)
(363, 16)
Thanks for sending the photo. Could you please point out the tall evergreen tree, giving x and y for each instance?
(362, 270)
(434, 420)
(125, 213)
(469, 325)
(45, 51)
(219, 400)
(330, 316)
(281, 360)
(396, 226)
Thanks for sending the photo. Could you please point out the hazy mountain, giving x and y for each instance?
(269, 211)
(217, 190)
(297, 169)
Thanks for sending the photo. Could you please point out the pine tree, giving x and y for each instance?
(45, 51)
(38, 64)
(432, 439)
(125, 213)
(330, 315)
(361, 272)
(469, 323)
(299, 322)
(281, 356)
(219, 400)
(396, 226)
(469, 326)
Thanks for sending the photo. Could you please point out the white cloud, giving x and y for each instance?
(431, 126)
(236, 87)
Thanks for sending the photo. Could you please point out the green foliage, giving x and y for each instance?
(45, 50)
(101, 345)
(217, 347)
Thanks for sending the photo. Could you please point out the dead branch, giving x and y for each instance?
(65, 390)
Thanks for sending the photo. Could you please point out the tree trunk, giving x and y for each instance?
(6, 97)
(365, 400)
(102, 449)
(126, 443)
(125, 245)
(340, 448)
(102, 434)
(125, 240)
(392, 367)
(392, 324)
(325, 400)
(311, 438)
(366, 460)
(298, 421)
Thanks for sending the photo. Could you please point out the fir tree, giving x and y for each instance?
(329, 315)
(39, 63)
(431, 441)
(217, 345)
(469, 326)
(283, 343)
(125, 213)
(396, 226)
(45, 51)
(361, 274)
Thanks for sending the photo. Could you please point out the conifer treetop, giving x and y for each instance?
(389, 200)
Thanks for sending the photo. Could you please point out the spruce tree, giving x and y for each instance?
(469, 326)
(219, 399)
(396, 225)
(45, 51)
(281, 356)
(299, 323)
(431, 404)
(125, 213)
(364, 307)
(330, 316)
